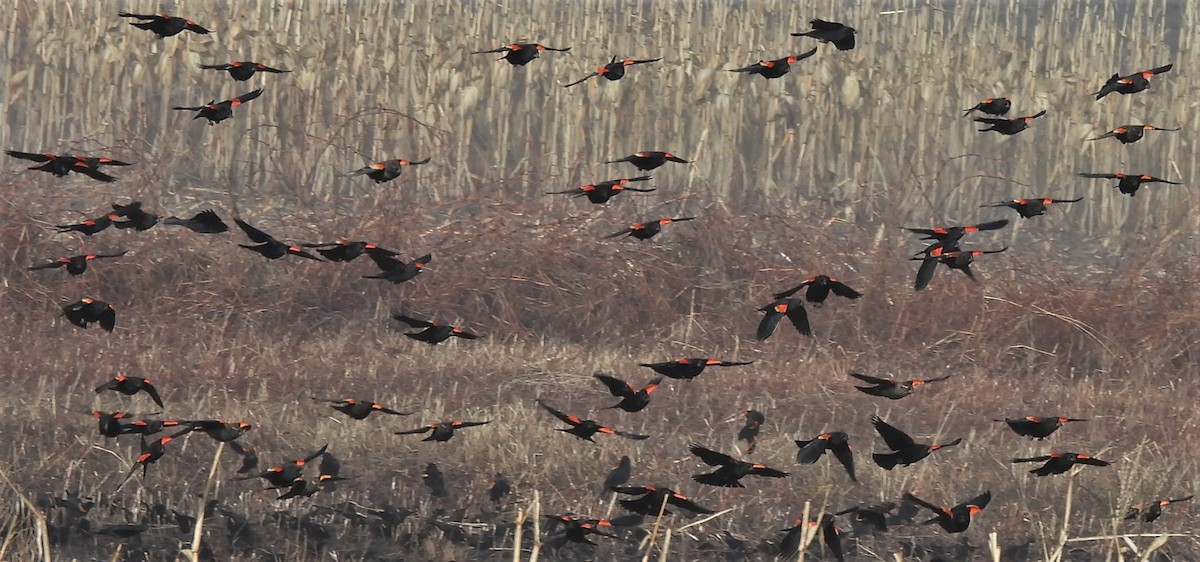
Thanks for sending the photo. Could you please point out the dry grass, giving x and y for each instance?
(1092, 313)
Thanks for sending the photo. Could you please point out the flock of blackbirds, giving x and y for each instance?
(291, 478)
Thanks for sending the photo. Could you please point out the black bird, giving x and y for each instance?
(204, 222)
(1129, 183)
(242, 70)
(1153, 510)
(819, 287)
(1130, 84)
(90, 226)
(135, 217)
(774, 68)
(88, 310)
(632, 399)
(960, 260)
(150, 454)
(500, 487)
(650, 500)
(649, 159)
(905, 450)
(284, 475)
(434, 332)
(164, 25)
(347, 250)
(442, 431)
(249, 456)
(950, 235)
(1008, 126)
(891, 389)
(614, 70)
(268, 247)
(647, 230)
(619, 475)
(1029, 208)
(955, 519)
(836, 442)
(1130, 133)
(749, 432)
(521, 54)
(842, 36)
(217, 112)
(218, 430)
(1058, 463)
(991, 106)
(76, 265)
(397, 271)
(435, 481)
(872, 518)
(792, 308)
(731, 470)
(360, 409)
(789, 546)
(585, 429)
(689, 367)
(1037, 427)
(130, 385)
(600, 193)
(60, 165)
(387, 170)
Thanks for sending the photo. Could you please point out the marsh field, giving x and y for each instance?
(1093, 312)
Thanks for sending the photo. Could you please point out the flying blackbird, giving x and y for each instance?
(1129, 183)
(647, 230)
(905, 450)
(819, 288)
(1130, 133)
(135, 217)
(282, 476)
(575, 530)
(894, 390)
(521, 54)
(249, 456)
(1037, 427)
(346, 250)
(222, 431)
(302, 487)
(110, 423)
(61, 165)
(842, 36)
(749, 432)
(1008, 126)
(442, 431)
(1130, 84)
(1058, 463)
(435, 481)
(871, 518)
(360, 409)
(434, 332)
(619, 475)
(149, 427)
(242, 70)
(837, 442)
(632, 399)
(689, 367)
(76, 265)
(831, 536)
(130, 385)
(204, 222)
(387, 170)
(88, 310)
(731, 470)
(164, 25)
(650, 500)
(499, 488)
(267, 246)
(649, 159)
(991, 106)
(1031, 207)
(950, 235)
(217, 112)
(792, 308)
(614, 70)
(585, 429)
(960, 260)
(90, 226)
(774, 68)
(150, 454)
(395, 270)
(600, 193)
(1153, 510)
(955, 519)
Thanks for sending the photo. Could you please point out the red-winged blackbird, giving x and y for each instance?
(249, 456)
(950, 235)
(76, 265)
(749, 432)
(242, 70)
(217, 112)
(614, 70)
(872, 518)
(435, 481)
(1037, 427)
(150, 454)
(905, 450)
(110, 423)
(960, 260)
(1132, 83)
(90, 226)
(360, 409)
(731, 470)
(521, 54)
(387, 170)
(601, 192)
(991, 106)
(61, 165)
(1031, 207)
(841, 35)
(619, 475)
(163, 25)
(894, 390)
(302, 487)
(130, 385)
(135, 217)
(632, 399)
(1153, 510)
(819, 288)
(647, 230)
(442, 431)
(955, 519)
(268, 247)
(499, 488)
(87, 310)
(831, 536)
(149, 427)
(837, 442)
(1008, 126)
(395, 270)
(575, 530)
(792, 308)
(689, 367)
(650, 500)
(222, 431)
(204, 222)
(434, 332)
(1058, 463)
(774, 68)
(282, 476)
(1129, 183)
(346, 250)
(1130, 133)
(585, 429)
(649, 159)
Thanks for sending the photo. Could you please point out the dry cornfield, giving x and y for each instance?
(1092, 313)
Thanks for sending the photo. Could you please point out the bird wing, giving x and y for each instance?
(566, 418)
(869, 378)
(253, 233)
(414, 322)
(897, 440)
(711, 457)
(616, 387)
